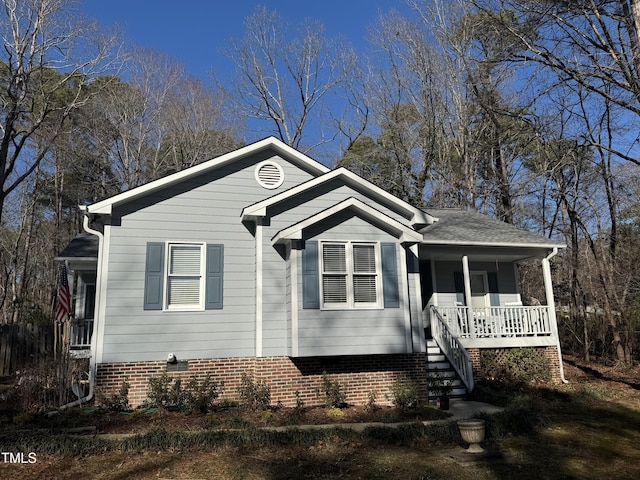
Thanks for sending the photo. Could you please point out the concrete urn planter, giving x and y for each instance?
(472, 432)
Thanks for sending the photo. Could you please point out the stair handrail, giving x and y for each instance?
(452, 348)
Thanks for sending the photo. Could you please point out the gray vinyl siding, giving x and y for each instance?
(352, 332)
(507, 285)
(206, 209)
(288, 304)
(276, 316)
(417, 319)
(318, 199)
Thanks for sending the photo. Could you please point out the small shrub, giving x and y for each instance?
(254, 394)
(335, 412)
(119, 401)
(334, 395)
(405, 394)
(266, 416)
(371, 403)
(201, 395)
(166, 392)
(298, 411)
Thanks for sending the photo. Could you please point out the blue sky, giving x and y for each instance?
(195, 31)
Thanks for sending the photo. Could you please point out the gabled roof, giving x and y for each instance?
(413, 214)
(405, 234)
(464, 227)
(105, 206)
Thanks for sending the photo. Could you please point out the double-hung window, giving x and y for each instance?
(185, 276)
(351, 275)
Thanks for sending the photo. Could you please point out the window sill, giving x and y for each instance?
(184, 309)
(351, 308)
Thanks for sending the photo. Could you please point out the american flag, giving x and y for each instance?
(63, 308)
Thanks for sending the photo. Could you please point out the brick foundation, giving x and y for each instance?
(358, 376)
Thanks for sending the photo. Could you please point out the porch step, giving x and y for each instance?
(438, 365)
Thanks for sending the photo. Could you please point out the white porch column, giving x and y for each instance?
(467, 280)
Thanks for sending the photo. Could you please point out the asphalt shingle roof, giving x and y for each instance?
(464, 226)
(82, 246)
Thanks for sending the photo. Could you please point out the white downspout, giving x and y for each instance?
(548, 290)
(94, 336)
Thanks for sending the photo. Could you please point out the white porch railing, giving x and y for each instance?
(81, 331)
(497, 322)
(452, 348)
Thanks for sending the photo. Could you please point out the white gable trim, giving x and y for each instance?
(294, 232)
(105, 206)
(413, 214)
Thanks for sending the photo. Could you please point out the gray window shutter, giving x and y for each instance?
(154, 276)
(494, 296)
(214, 277)
(390, 291)
(310, 276)
(458, 281)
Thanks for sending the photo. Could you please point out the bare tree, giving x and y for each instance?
(46, 64)
(126, 116)
(589, 52)
(587, 44)
(285, 81)
(159, 121)
(405, 97)
(197, 125)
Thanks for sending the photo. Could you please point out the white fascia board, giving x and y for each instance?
(294, 232)
(259, 209)
(105, 206)
(415, 215)
(462, 243)
(75, 259)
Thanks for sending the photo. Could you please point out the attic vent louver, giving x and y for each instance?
(269, 174)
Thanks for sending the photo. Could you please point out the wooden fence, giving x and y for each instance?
(23, 344)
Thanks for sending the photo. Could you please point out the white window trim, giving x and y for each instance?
(350, 304)
(184, 308)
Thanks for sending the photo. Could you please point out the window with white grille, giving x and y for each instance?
(185, 278)
(269, 174)
(351, 275)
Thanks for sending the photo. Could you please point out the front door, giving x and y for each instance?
(479, 290)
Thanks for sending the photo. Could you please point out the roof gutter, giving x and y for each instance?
(92, 360)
